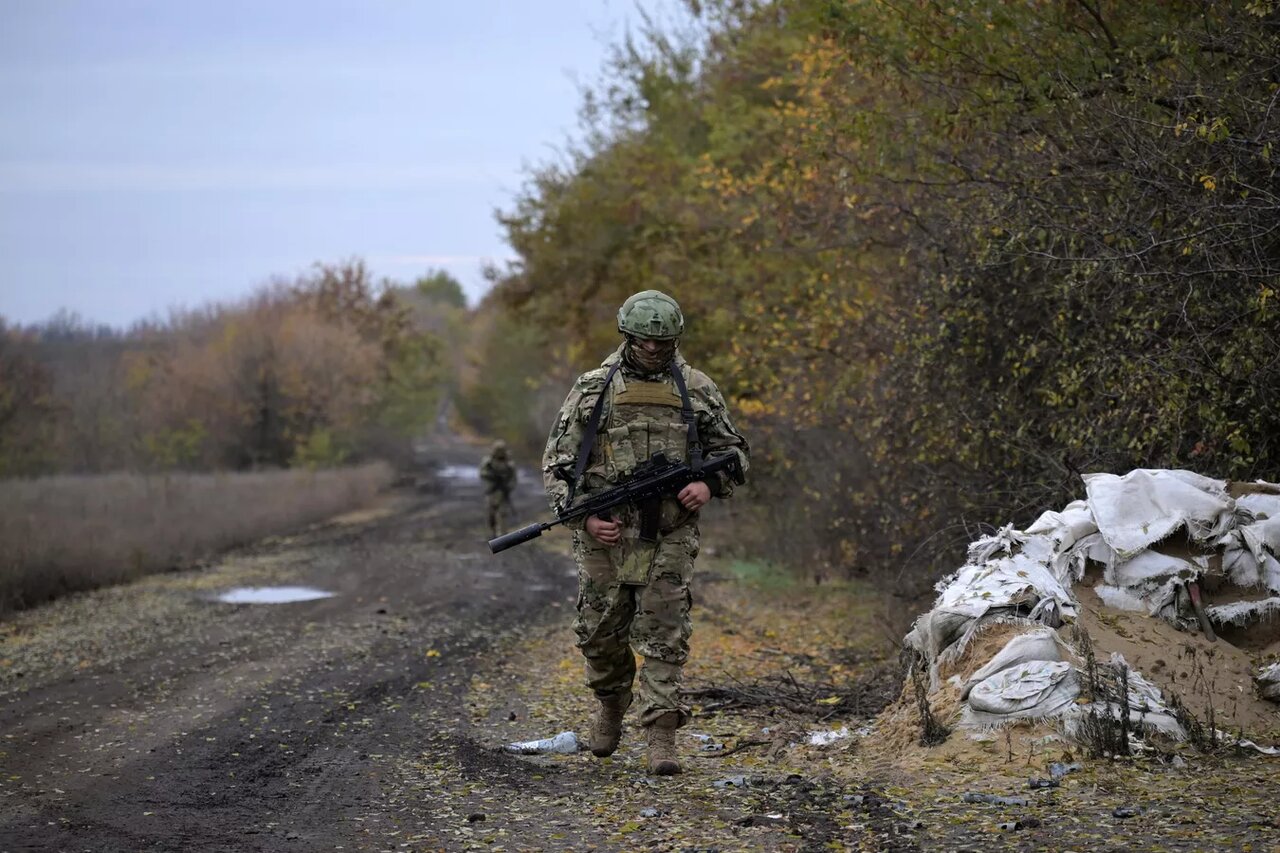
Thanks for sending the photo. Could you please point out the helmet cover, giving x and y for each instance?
(651, 314)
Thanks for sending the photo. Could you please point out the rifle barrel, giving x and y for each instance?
(517, 537)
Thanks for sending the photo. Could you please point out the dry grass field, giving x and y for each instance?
(67, 533)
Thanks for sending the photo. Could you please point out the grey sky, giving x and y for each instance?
(169, 152)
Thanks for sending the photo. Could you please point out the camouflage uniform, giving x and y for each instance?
(499, 477)
(635, 596)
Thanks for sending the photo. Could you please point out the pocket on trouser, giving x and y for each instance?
(662, 626)
(634, 561)
(595, 560)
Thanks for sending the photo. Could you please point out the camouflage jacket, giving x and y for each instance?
(499, 475)
(641, 417)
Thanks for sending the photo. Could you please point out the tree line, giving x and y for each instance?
(327, 368)
(943, 257)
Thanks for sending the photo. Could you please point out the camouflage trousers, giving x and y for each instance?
(616, 621)
(499, 511)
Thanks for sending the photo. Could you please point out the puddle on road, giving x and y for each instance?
(272, 594)
(459, 472)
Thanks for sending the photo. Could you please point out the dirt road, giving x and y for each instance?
(153, 717)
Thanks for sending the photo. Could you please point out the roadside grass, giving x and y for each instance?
(68, 533)
(762, 574)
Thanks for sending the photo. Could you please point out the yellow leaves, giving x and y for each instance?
(753, 407)
(1264, 297)
(830, 700)
(433, 653)
(1208, 182)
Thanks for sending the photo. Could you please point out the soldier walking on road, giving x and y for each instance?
(633, 569)
(499, 477)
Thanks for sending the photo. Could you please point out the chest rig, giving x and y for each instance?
(642, 423)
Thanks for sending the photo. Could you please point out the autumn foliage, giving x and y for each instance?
(943, 257)
(328, 368)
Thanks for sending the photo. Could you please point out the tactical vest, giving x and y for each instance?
(643, 421)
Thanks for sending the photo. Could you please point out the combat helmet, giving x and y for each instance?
(499, 450)
(651, 314)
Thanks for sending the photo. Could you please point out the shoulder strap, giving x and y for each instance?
(589, 436)
(686, 415)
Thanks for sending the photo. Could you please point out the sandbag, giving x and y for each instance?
(1137, 510)
(1035, 689)
(1147, 708)
(1041, 644)
(1268, 681)
(1154, 566)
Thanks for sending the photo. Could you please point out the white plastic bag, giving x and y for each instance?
(565, 743)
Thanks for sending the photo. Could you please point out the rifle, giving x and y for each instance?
(656, 478)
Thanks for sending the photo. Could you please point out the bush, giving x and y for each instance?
(67, 533)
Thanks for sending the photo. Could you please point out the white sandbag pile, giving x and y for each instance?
(1269, 682)
(1192, 551)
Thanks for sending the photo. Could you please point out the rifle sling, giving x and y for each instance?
(589, 436)
(686, 415)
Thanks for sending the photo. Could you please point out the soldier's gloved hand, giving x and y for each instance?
(694, 496)
(603, 531)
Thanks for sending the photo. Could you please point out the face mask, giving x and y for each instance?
(648, 357)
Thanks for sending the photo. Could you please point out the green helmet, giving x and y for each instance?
(651, 314)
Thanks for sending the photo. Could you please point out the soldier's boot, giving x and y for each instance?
(606, 725)
(662, 745)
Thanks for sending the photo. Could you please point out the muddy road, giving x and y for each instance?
(154, 717)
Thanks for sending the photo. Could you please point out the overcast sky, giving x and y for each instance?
(169, 152)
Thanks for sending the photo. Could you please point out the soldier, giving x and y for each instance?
(633, 588)
(499, 477)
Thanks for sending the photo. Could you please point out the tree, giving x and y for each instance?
(944, 256)
(439, 286)
(27, 408)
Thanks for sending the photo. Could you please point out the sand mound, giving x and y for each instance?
(1107, 607)
(1210, 678)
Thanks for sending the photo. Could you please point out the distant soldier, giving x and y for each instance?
(499, 477)
(635, 564)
